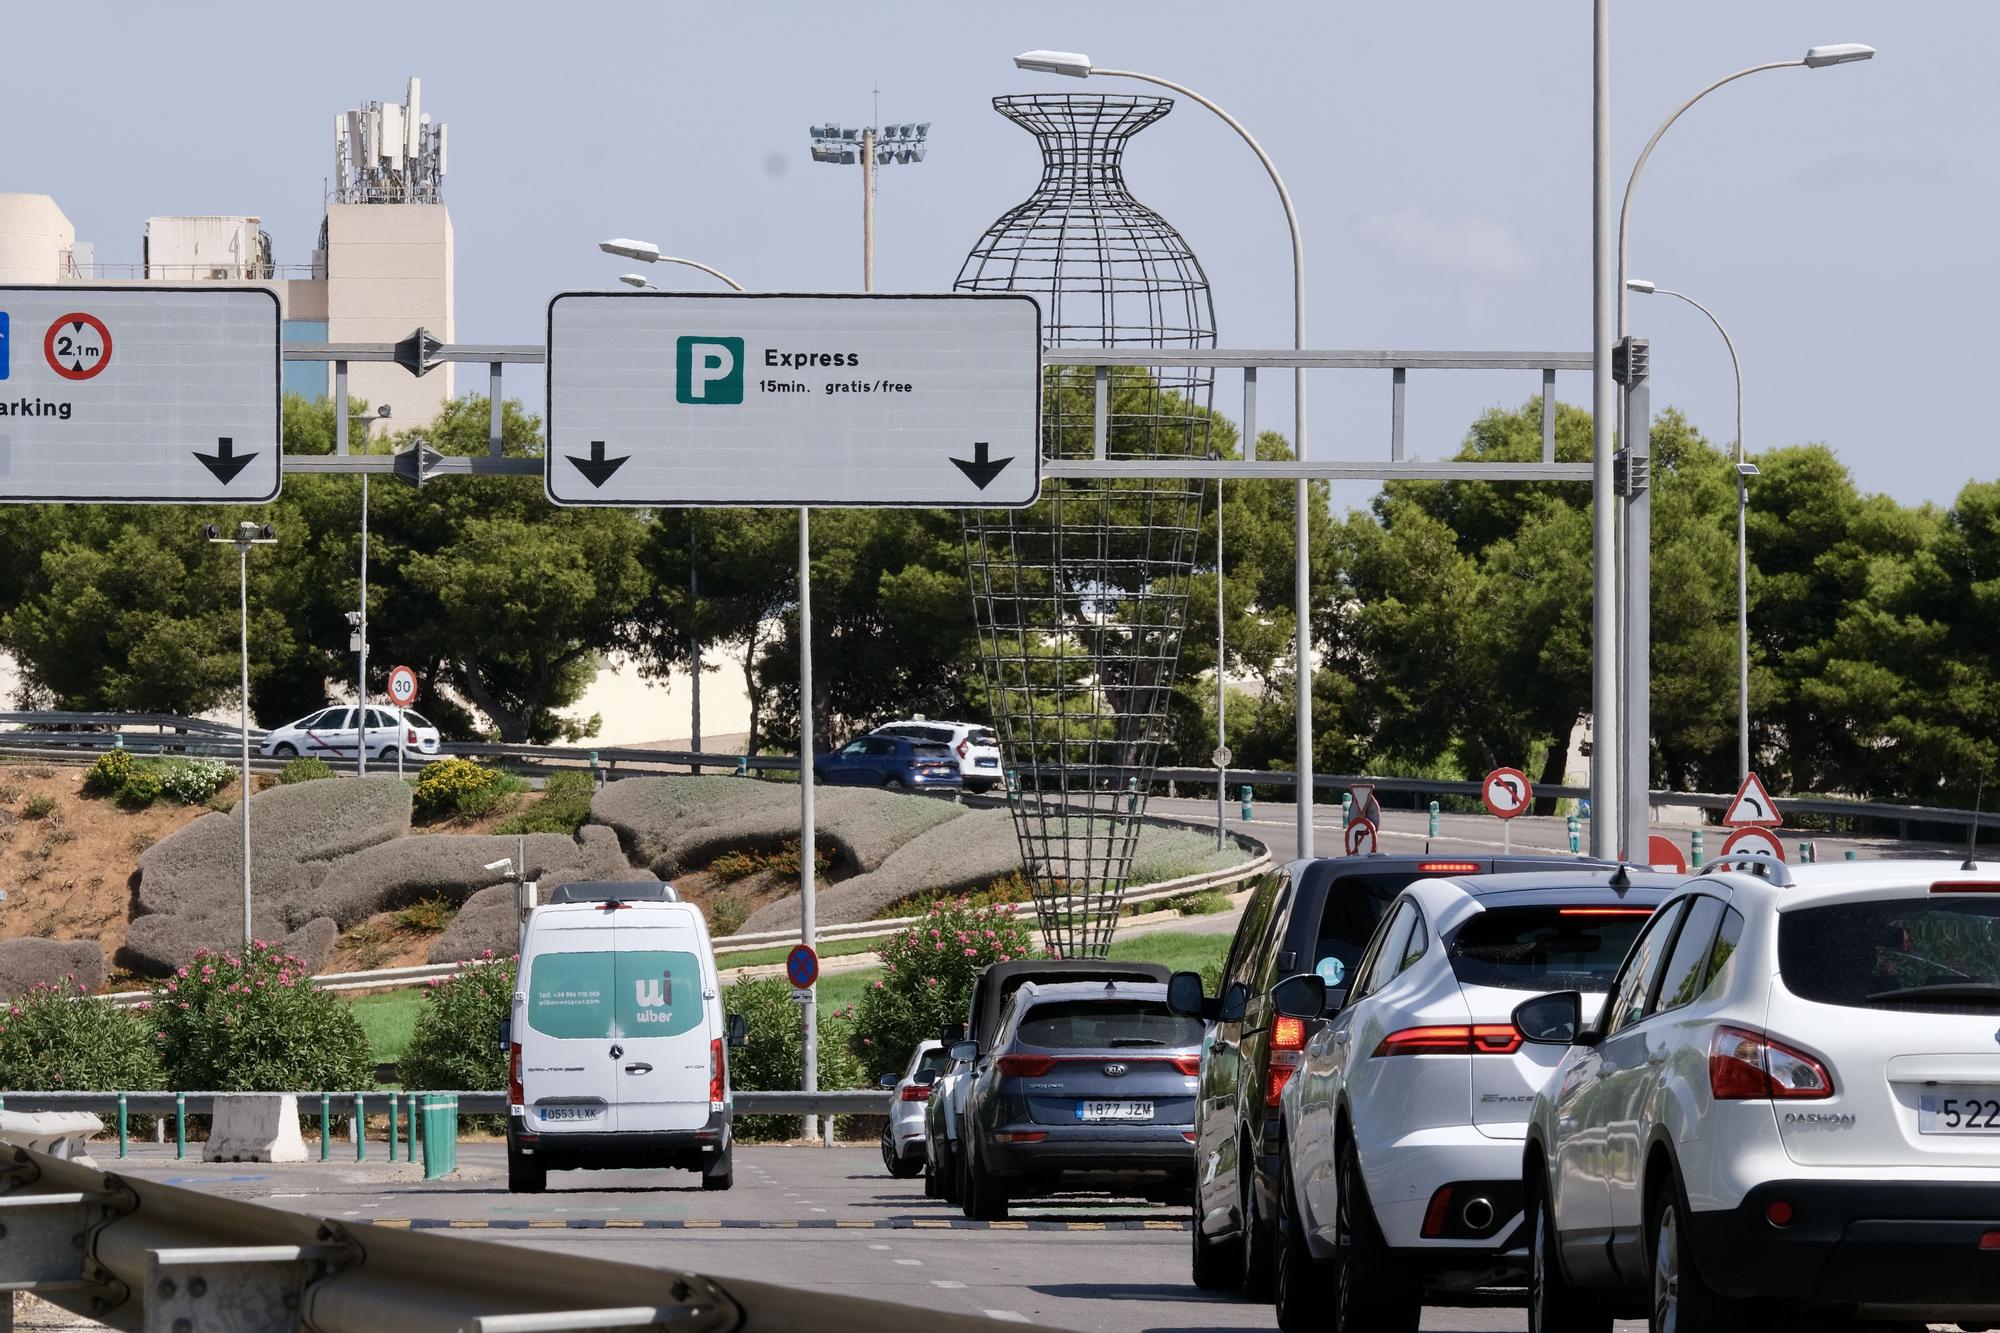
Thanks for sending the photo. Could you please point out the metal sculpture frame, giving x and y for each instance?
(1081, 601)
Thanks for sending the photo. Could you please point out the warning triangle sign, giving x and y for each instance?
(1752, 807)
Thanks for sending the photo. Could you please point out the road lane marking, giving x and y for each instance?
(909, 1263)
(1006, 1316)
(947, 1284)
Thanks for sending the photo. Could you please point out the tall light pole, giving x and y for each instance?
(1744, 471)
(1634, 725)
(247, 535)
(872, 146)
(1077, 65)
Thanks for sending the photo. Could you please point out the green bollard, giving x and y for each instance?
(1805, 853)
(1434, 819)
(1346, 808)
(1694, 848)
(1851, 856)
(1575, 835)
(121, 1124)
(410, 1147)
(361, 1126)
(1246, 803)
(392, 1127)
(742, 765)
(180, 1125)
(117, 740)
(325, 1125)
(596, 778)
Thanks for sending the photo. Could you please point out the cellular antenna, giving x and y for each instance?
(1972, 847)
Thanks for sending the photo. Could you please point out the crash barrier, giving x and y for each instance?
(61, 1134)
(139, 1254)
(429, 1116)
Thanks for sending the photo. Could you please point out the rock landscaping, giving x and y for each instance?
(29, 962)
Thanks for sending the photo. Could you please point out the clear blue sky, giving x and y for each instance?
(1839, 221)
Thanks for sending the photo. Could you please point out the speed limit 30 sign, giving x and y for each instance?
(402, 686)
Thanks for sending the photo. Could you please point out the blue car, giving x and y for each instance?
(896, 762)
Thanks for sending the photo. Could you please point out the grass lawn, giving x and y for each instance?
(388, 1017)
(778, 952)
(1181, 953)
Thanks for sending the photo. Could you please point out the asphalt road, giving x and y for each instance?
(830, 1220)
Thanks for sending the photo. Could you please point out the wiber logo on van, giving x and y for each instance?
(654, 995)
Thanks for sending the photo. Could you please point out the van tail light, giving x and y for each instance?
(1453, 1039)
(1025, 1066)
(717, 1075)
(1189, 1065)
(917, 1092)
(1750, 1066)
(962, 748)
(515, 1097)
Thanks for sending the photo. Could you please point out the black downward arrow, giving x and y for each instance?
(225, 462)
(597, 469)
(980, 470)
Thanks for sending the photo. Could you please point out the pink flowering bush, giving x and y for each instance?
(927, 976)
(53, 1040)
(456, 1044)
(246, 1020)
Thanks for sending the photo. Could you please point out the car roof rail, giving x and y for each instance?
(1770, 867)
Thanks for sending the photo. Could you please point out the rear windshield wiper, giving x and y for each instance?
(1135, 1041)
(1941, 990)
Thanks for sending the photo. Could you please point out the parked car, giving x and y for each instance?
(889, 761)
(1310, 916)
(974, 745)
(1791, 1100)
(1400, 1140)
(335, 733)
(995, 986)
(903, 1135)
(1084, 1083)
(617, 1044)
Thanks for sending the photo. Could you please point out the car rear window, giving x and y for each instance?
(1546, 947)
(1354, 907)
(923, 751)
(416, 719)
(1101, 1025)
(1939, 953)
(985, 738)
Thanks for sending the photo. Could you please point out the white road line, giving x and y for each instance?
(1006, 1316)
(948, 1286)
(878, 1247)
(910, 1263)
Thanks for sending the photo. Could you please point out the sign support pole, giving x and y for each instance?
(1606, 777)
(243, 797)
(808, 924)
(361, 673)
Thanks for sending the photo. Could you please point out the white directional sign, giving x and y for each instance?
(165, 395)
(657, 398)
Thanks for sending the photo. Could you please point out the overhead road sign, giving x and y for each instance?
(660, 399)
(1507, 793)
(139, 395)
(1751, 838)
(1753, 806)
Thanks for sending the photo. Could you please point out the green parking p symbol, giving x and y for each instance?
(708, 370)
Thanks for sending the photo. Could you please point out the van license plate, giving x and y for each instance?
(1093, 1112)
(569, 1112)
(1959, 1111)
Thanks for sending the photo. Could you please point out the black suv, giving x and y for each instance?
(1310, 916)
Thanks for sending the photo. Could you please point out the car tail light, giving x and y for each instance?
(1020, 1136)
(962, 748)
(1449, 867)
(1750, 1066)
(1188, 1064)
(715, 1074)
(1990, 1241)
(413, 736)
(1778, 1213)
(917, 1092)
(1188, 1134)
(1453, 1039)
(515, 1097)
(1438, 1212)
(1965, 886)
(1025, 1066)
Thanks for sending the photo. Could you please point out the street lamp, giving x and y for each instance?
(871, 146)
(1077, 65)
(636, 280)
(1744, 471)
(247, 535)
(647, 252)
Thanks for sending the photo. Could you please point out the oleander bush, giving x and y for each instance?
(771, 1058)
(55, 1038)
(928, 971)
(247, 1020)
(456, 1043)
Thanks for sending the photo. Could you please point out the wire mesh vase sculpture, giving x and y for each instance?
(1081, 600)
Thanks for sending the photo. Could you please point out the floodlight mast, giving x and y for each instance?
(246, 536)
(872, 146)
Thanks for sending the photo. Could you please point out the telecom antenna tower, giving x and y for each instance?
(388, 153)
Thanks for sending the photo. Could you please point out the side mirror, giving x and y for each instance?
(951, 1034)
(1550, 1020)
(1302, 996)
(889, 1080)
(506, 1035)
(965, 1052)
(1236, 999)
(924, 1077)
(739, 1031)
(1185, 996)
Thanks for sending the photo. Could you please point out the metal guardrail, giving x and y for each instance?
(138, 1254)
(867, 1101)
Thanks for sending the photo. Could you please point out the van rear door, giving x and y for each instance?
(566, 1062)
(671, 1054)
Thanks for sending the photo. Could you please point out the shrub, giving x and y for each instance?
(53, 1038)
(726, 914)
(927, 975)
(564, 807)
(1207, 903)
(456, 1043)
(461, 787)
(142, 788)
(733, 866)
(252, 1023)
(370, 944)
(108, 776)
(193, 781)
(306, 768)
(769, 1061)
(430, 915)
(39, 807)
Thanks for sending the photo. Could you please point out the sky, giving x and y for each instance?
(1838, 221)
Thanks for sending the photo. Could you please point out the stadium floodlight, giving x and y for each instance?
(871, 146)
(1073, 63)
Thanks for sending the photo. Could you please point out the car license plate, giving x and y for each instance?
(989, 763)
(569, 1112)
(1093, 1112)
(1959, 1111)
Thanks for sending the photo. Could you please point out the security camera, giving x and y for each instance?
(383, 411)
(498, 867)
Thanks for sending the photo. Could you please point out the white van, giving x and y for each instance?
(617, 1048)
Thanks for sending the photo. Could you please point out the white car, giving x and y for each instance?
(903, 1135)
(1400, 1148)
(334, 733)
(972, 744)
(1791, 1100)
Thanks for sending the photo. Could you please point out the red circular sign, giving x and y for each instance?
(77, 346)
(1662, 854)
(1361, 838)
(1754, 839)
(802, 966)
(403, 686)
(1507, 793)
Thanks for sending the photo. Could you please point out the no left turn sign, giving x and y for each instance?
(1507, 793)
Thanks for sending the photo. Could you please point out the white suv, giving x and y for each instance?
(973, 746)
(1401, 1144)
(1792, 1099)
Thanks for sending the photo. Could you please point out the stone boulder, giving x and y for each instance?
(436, 865)
(30, 960)
(486, 921)
(962, 854)
(657, 819)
